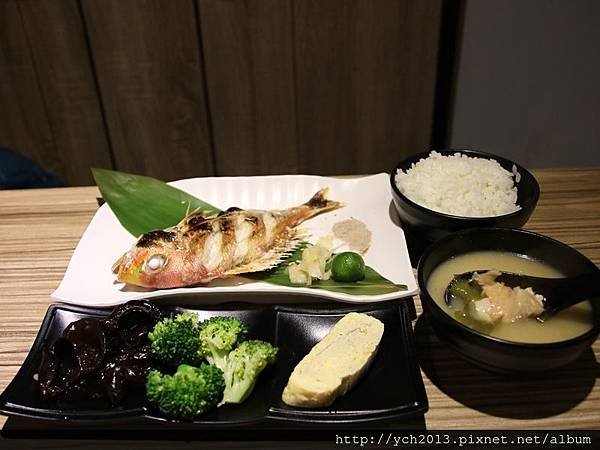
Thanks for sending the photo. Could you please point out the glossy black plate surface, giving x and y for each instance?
(391, 389)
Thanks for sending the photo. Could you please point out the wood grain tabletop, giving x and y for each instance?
(39, 230)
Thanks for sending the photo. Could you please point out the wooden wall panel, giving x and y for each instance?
(181, 88)
(365, 76)
(58, 46)
(248, 52)
(24, 125)
(147, 59)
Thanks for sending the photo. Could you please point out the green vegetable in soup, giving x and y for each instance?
(462, 291)
(465, 317)
(463, 294)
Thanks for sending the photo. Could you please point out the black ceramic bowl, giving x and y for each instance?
(429, 225)
(492, 353)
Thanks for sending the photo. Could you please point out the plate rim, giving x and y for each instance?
(260, 287)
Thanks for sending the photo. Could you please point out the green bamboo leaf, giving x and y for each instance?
(144, 204)
(371, 284)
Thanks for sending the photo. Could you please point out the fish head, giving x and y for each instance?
(152, 262)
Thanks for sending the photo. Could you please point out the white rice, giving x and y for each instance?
(460, 185)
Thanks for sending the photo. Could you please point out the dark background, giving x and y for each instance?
(182, 88)
(528, 81)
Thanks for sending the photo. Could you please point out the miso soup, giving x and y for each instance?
(566, 324)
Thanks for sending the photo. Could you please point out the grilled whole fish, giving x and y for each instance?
(200, 249)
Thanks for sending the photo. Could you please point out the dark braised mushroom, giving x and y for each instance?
(132, 322)
(79, 351)
(89, 388)
(89, 343)
(100, 358)
(128, 368)
(59, 368)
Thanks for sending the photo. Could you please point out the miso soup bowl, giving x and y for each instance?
(493, 353)
(429, 225)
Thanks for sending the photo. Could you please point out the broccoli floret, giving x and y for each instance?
(188, 393)
(244, 364)
(218, 336)
(175, 340)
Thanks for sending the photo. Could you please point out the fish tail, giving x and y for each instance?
(316, 205)
(319, 202)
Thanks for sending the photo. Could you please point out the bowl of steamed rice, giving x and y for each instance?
(436, 193)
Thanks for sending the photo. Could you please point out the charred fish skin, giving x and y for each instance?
(200, 249)
(148, 239)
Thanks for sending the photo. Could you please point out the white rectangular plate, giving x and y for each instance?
(89, 281)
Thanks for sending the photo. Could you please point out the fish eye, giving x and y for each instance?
(155, 263)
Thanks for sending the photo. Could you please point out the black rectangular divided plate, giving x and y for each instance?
(391, 389)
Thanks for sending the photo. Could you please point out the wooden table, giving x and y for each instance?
(39, 230)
